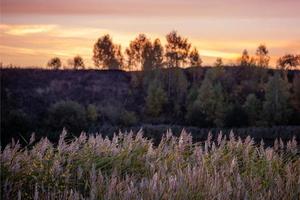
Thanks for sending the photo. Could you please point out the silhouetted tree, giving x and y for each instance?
(219, 62)
(194, 58)
(262, 56)
(106, 54)
(245, 59)
(147, 57)
(276, 106)
(139, 53)
(77, 63)
(158, 54)
(54, 63)
(288, 61)
(177, 50)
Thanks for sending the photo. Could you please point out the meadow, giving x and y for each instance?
(130, 166)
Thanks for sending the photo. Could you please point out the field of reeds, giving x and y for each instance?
(129, 166)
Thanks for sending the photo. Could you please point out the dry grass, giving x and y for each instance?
(130, 167)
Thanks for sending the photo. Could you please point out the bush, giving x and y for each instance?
(128, 118)
(92, 113)
(67, 114)
(16, 125)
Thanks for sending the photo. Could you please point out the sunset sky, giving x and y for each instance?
(33, 31)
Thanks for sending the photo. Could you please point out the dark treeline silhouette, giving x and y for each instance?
(143, 54)
(171, 89)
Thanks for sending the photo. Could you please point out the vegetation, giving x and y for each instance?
(143, 54)
(224, 97)
(106, 54)
(54, 63)
(172, 87)
(131, 167)
(77, 63)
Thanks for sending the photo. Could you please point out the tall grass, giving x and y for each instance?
(128, 166)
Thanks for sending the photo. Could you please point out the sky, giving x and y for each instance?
(33, 31)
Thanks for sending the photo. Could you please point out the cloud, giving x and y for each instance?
(211, 8)
(26, 44)
(20, 30)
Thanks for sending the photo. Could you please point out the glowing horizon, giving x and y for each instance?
(33, 31)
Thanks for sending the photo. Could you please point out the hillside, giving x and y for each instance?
(130, 99)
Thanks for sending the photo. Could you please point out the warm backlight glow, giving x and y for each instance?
(34, 31)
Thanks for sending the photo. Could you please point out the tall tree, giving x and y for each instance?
(155, 100)
(177, 49)
(296, 92)
(194, 58)
(106, 54)
(54, 63)
(252, 107)
(219, 62)
(276, 106)
(179, 86)
(158, 54)
(212, 100)
(77, 63)
(289, 61)
(245, 59)
(262, 56)
(139, 52)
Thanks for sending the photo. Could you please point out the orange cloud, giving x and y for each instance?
(20, 30)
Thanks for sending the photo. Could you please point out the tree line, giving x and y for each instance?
(143, 54)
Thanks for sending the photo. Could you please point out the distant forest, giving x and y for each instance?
(144, 54)
(170, 87)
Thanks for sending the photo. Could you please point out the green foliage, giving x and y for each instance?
(128, 118)
(155, 100)
(67, 114)
(92, 113)
(212, 99)
(194, 115)
(111, 113)
(276, 107)
(252, 107)
(178, 91)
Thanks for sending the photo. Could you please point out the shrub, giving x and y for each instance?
(92, 113)
(67, 114)
(128, 118)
